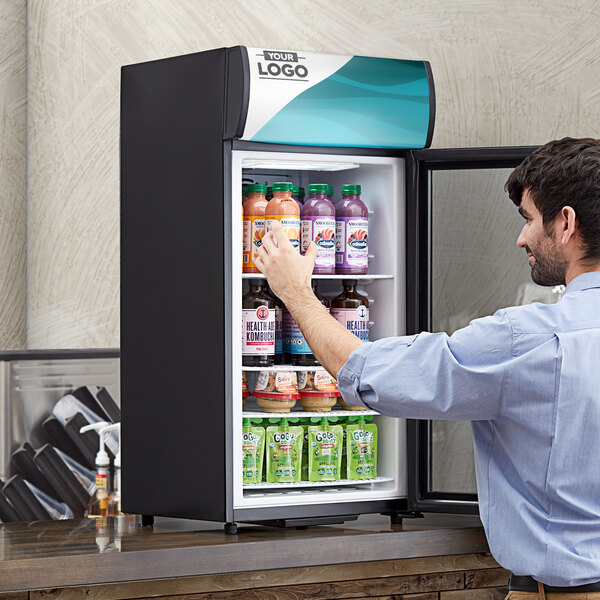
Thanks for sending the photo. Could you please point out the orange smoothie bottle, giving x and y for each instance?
(254, 225)
(285, 209)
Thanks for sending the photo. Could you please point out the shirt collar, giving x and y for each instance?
(584, 281)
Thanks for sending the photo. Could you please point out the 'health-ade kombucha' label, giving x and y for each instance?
(258, 331)
(355, 320)
(352, 242)
(321, 231)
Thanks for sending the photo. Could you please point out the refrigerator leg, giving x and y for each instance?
(396, 518)
(147, 520)
(231, 528)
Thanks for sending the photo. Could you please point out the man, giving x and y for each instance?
(527, 377)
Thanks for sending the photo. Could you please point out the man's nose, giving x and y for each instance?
(521, 243)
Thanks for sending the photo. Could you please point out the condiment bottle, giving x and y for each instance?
(258, 327)
(285, 209)
(351, 309)
(352, 233)
(301, 354)
(278, 322)
(318, 225)
(254, 224)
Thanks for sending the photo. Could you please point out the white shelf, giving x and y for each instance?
(310, 484)
(363, 278)
(284, 368)
(305, 414)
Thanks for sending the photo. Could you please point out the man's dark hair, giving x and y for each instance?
(564, 173)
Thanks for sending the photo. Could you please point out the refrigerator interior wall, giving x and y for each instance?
(382, 181)
(30, 388)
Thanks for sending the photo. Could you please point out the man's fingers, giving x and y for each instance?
(280, 235)
(267, 243)
(311, 252)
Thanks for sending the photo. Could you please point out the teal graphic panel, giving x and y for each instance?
(369, 102)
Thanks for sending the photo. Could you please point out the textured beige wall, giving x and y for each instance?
(13, 172)
(508, 72)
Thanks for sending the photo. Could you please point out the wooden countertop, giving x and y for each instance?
(71, 553)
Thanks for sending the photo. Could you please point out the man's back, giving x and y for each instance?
(540, 457)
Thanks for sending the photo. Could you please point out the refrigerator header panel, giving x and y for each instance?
(308, 98)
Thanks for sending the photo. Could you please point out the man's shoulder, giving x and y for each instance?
(568, 314)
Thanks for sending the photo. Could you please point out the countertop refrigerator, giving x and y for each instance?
(192, 127)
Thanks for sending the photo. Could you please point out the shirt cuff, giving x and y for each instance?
(348, 377)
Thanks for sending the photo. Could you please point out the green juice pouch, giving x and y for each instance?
(304, 474)
(361, 450)
(253, 448)
(325, 451)
(284, 453)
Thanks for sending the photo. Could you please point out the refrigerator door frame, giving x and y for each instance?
(420, 164)
(299, 510)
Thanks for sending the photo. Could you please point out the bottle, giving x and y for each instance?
(296, 197)
(269, 194)
(301, 195)
(254, 225)
(98, 504)
(351, 309)
(318, 225)
(278, 323)
(330, 193)
(285, 209)
(300, 353)
(258, 327)
(114, 500)
(352, 233)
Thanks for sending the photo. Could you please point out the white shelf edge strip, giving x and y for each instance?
(306, 414)
(359, 277)
(308, 484)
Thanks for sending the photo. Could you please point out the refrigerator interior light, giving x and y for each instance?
(297, 165)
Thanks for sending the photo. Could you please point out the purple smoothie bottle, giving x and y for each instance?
(351, 233)
(318, 225)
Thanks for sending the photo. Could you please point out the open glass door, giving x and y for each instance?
(463, 263)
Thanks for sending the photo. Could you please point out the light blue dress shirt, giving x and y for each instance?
(528, 378)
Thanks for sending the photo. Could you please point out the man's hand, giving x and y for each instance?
(287, 271)
(289, 276)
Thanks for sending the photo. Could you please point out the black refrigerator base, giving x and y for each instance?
(396, 518)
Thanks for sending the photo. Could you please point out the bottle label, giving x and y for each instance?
(352, 242)
(321, 231)
(291, 226)
(278, 330)
(355, 320)
(254, 231)
(100, 481)
(258, 331)
(282, 382)
(324, 382)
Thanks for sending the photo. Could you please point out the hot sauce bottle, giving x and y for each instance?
(351, 309)
(254, 224)
(258, 327)
(285, 209)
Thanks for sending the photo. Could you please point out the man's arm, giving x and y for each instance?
(289, 276)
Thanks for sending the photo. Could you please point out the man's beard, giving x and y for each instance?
(549, 268)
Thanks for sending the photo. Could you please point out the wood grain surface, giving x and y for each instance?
(68, 553)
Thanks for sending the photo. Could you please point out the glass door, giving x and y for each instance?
(463, 263)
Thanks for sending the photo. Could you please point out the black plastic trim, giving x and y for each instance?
(59, 354)
(301, 511)
(268, 147)
(237, 92)
(432, 106)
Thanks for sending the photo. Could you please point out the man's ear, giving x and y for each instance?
(568, 224)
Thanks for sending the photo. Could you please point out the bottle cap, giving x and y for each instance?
(324, 421)
(244, 189)
(318, 188)
(256, 188)
(283, 186)
(295, 190)
(348, 188)
(246, 423)
(301, 192)
(349, 282)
